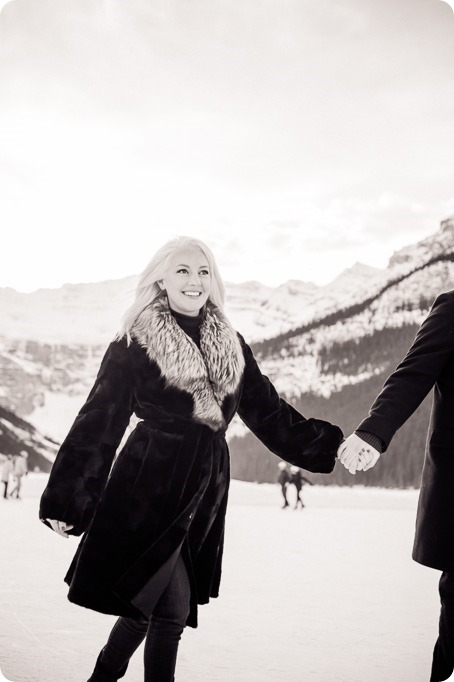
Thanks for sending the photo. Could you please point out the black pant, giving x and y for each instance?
(162, 632)
(17, 488)
(284, 494)
(443, 657)
(299, 499)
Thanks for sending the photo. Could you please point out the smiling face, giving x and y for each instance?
(187, 281)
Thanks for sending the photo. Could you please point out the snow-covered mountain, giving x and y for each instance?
(86, 314)
(437, 244)
(294, 360)
(90, 314)
(17, 434)
(334, 366)
(414, 277)
(309, 340)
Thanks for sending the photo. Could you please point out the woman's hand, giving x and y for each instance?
(357, 455)
(60, 527)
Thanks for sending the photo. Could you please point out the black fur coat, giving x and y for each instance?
(167, 490)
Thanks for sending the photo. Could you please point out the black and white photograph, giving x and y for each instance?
(227, 340)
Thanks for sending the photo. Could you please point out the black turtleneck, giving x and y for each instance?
(189, 324)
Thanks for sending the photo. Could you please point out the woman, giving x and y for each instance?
(154, 528)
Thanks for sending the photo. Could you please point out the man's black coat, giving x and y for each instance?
(428, 364)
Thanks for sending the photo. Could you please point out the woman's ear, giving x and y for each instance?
(161, 285)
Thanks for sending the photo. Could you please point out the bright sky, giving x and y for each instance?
(295, 137)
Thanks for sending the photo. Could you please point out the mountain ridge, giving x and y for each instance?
(90, 313)
(330, 362)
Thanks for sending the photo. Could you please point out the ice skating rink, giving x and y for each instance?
(325, 594)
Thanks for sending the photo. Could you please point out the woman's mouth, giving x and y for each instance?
(192, 294)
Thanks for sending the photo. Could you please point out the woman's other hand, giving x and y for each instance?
(60, 527)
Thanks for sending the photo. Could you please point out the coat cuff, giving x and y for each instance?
(371, 439)
(319, 456)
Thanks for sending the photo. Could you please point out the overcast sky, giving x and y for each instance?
(295, 137)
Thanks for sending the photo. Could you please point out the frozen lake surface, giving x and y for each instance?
(328, 593)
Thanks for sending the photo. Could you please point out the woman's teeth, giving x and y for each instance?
(192, 294)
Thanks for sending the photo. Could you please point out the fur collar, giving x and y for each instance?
(209, 374)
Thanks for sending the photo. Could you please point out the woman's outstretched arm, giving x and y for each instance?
(307, 442)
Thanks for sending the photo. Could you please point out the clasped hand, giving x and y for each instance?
(357, 455)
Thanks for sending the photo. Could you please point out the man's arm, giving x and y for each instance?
(416, 375)
(405, 389)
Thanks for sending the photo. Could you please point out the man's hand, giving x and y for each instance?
(357, 455)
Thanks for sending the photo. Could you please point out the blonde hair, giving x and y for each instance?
(148, 290)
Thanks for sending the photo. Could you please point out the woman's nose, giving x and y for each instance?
(194, 279)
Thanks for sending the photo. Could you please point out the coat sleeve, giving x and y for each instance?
(416, 375)
(83, 462)
(308, 443)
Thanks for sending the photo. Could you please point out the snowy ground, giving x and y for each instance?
(329, 593)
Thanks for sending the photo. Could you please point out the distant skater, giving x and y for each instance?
(7, 470)
(283, 478)
(20, 469)
(153, 523)
(298, 480)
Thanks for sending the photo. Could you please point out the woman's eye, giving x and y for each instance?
(205, 273)
(183, 271)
